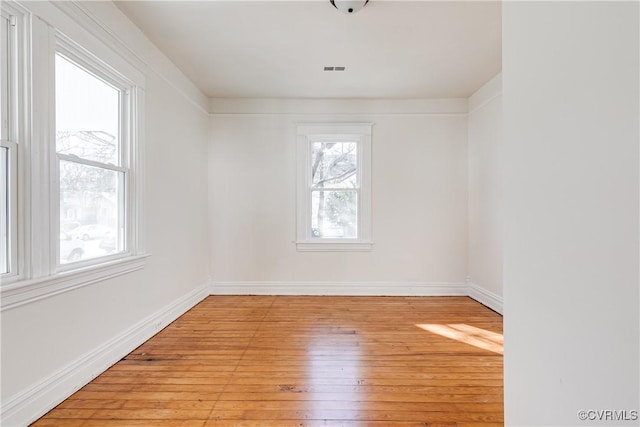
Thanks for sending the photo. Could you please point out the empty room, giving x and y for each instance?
(320, 213)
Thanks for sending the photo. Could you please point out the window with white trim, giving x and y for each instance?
(8, 150)
(92, 170)
(334, 187)
(71, 160)
(96, 134)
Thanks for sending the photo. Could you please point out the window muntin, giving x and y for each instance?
(91, 169)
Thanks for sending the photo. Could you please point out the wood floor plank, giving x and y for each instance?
(130, 414)
(374, 397)
(57, 422)
(355, 415)
(247, 361)
(319, 423)
(364, 405)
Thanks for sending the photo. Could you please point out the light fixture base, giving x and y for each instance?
(349, 6)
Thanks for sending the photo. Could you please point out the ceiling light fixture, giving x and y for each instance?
(349, 6)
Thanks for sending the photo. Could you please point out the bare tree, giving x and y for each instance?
(95, 145)
(339, 169)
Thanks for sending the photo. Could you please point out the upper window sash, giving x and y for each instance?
(120, 142)
(5, 72)
(321, 139)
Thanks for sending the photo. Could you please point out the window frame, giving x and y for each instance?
(97, 69)
(14, 135)
(307, 134)
(128, 152)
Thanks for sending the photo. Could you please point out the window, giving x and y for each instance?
(92, 171)
(8, 151)
(71, 159)
(334, 187)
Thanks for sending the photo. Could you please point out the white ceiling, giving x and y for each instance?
(277, 49)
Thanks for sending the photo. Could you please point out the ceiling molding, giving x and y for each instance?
(487, 93)
(293, 106)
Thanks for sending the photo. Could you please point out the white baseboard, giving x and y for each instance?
(339, 288)
(485, 297)
(30, 404)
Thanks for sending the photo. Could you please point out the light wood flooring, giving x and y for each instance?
(305, 361)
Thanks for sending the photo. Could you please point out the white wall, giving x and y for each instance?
(419, 198)
(571, 120)
(41, 338)
(484, 139)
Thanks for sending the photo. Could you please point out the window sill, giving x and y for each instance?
(27, 291)
(334, 246)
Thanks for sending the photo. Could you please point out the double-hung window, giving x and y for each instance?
(91, 148)
(334, 187)
(9, 268)
(71, 159)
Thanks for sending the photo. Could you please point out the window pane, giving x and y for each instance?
(87, 114)
(4, 78)
(91, 206)
(4, 210)
(334, 214)
(334, 164)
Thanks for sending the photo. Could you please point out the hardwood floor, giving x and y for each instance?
(305, 361)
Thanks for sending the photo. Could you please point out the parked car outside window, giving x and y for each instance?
(89, 232)
(70, 249)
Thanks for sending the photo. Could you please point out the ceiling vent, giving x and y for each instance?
(335, 68)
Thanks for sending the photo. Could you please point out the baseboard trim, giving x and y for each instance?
(339, 288)
(35, 401)
(485, 297)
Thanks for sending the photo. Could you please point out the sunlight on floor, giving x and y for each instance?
(467, 334)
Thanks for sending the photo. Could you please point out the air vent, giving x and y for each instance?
(335, 68)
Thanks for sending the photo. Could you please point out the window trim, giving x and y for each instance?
(28, 291)
(129, 140)
(307, 133)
